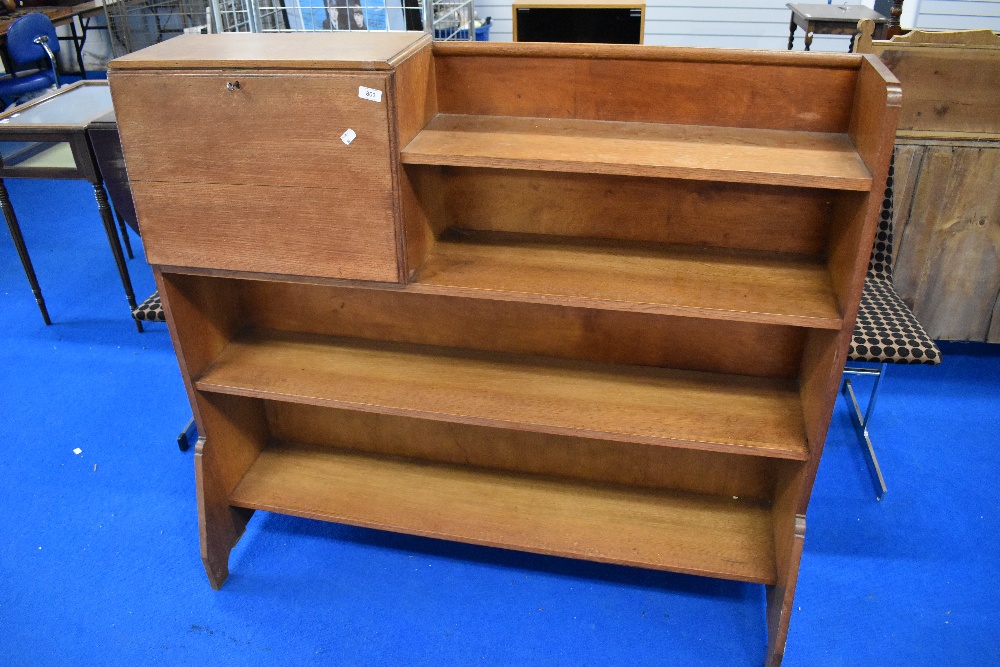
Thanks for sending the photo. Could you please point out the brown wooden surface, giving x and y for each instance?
(618, 337)
(415, 97)
(737, 155)
(629, 464)
(346, 50)
(687, 87)
(674, 280)
(276, 129)
(951, 80)
(948, 259)
(292, 230)
(752, 217)
(274, 206)
(540, 273)
(721, 537)
(713, 412)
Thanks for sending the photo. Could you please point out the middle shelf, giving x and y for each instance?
(714, 283)
(647, 405)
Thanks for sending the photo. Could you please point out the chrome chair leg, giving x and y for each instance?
(861, 422)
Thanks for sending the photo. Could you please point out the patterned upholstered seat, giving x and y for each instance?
(150, 310)
(886, 330)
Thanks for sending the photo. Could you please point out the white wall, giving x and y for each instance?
(761, 24)
(957, 14)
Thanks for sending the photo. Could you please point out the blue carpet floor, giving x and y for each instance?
(99, 561)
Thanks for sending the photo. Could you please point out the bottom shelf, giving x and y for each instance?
(695, 534)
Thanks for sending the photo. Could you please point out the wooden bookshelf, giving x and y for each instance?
(514, 310)
(655, 406)
(720, 537)
(729, 154)
(670, 279)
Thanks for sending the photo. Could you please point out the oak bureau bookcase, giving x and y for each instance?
(584, 300)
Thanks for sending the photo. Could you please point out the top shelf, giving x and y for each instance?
(728, 154)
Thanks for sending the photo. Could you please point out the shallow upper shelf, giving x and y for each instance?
(730, 154)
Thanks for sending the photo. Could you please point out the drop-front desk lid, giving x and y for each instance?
(301, 50)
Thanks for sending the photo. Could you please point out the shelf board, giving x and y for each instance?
(694, 534)
(655, 406)
(713, 283)
(730, 154)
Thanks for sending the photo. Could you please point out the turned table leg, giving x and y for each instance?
(791, 33)
(22, 250)
(116, 248)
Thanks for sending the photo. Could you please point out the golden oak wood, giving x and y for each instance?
(611, 336)
(191, 129)
(336, 233)
(676, 280)
(704, 535)
(628, 464)
(611, 287)
(309, 51)
(736, 155)
(706, 87)
(654, 406)
(689, 212)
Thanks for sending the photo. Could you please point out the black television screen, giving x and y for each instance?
(579, 24)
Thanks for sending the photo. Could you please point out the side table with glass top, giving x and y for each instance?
(47, 138)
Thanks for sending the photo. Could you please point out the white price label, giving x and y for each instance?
(370, 94)
(348, 137)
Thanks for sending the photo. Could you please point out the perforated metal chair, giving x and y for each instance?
(886, 332)
(31, 40)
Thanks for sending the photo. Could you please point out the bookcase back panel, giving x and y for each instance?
(730, 215)
(732, 94)
(508, 326)
(524, 451)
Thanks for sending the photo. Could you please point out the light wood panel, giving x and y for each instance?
(721, 537)
(654, 406)
(676, 280)
(623, 463)
(348, 50)
(191, 129)
(333, 233)
(737, 155)
(736, 88)
(619, 337)
(729, 215)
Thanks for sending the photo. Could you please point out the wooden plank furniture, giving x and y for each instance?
(593, 21)
(826, 19)
(947, 168)
(492, 302)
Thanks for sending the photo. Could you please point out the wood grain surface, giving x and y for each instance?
(275, 129)
(565, 457)
(655, 406)
(716, 87)
(301, 50)
(660, 210)
(332, 233)
(676, 280)
(611, 336)
(737, 155)
(948, 264)
(721, 537)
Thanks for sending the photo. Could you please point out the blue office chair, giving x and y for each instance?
(30, 39)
